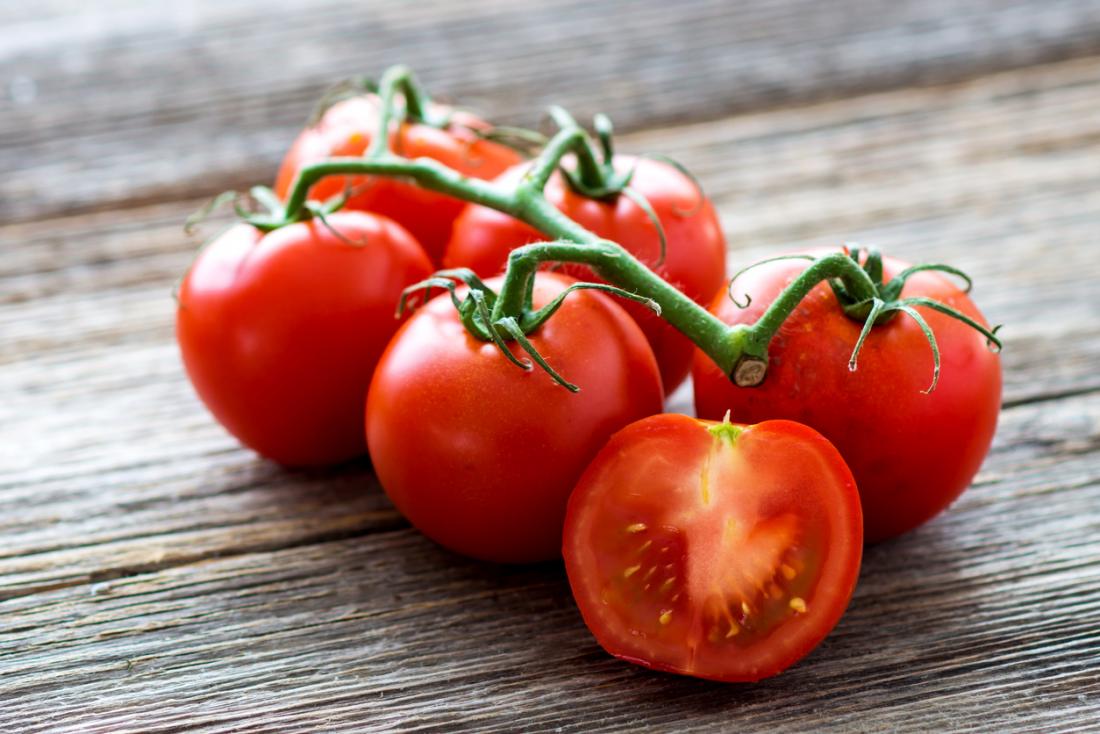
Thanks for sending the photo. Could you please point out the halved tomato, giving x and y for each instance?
(711, 549)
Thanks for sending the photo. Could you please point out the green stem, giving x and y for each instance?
(425, 171)
(722, 343)
(856, 282)
(728, 346)
(417, 107)
(740, 351)
(593, 174)
(544, 165)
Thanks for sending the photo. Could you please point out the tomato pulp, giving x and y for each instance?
(347, 128)
(695, 256)
(711, 549)
(481, 455)
(280, 332)
(912, 452)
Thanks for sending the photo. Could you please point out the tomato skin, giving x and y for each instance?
(347, 128)
(280, 333)
(695, 259)
(727, 558)
(481, 455)
(912, 453)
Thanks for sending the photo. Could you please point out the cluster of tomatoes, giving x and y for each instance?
(716, 549)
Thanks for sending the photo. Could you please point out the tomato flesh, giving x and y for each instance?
(713, 550)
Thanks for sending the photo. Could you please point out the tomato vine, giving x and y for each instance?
(740, 351)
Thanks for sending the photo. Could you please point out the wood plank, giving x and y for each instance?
(388, 631)
(102, 100)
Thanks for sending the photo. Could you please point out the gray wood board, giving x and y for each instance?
(156, 577)
(111, 104)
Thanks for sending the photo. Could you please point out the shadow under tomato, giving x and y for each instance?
(910, 614)
(308, 505)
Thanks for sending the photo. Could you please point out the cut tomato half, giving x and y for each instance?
(712, 549)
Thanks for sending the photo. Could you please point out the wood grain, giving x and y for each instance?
(387, 623)
(156, 577)
(104, 98)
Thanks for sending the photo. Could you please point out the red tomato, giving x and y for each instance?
(912, 453)
(711, 549)
(280, 332)
(346, 129)
(695, 259)
(481, 455)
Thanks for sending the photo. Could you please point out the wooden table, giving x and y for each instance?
(154, 576)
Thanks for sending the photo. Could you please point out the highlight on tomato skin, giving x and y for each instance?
(713, 550)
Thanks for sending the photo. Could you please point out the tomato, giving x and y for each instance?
(481, 455)
(711, 549)
(280, 332)
(695, 259)
(346, 129)
(912, 453)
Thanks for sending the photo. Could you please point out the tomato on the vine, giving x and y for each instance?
(695, 253)
(912, 452)
(712, 549)
(481, 455)
(347, 128)
(280, 332)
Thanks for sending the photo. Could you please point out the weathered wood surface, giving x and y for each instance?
(156, 577)
(130, 102)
